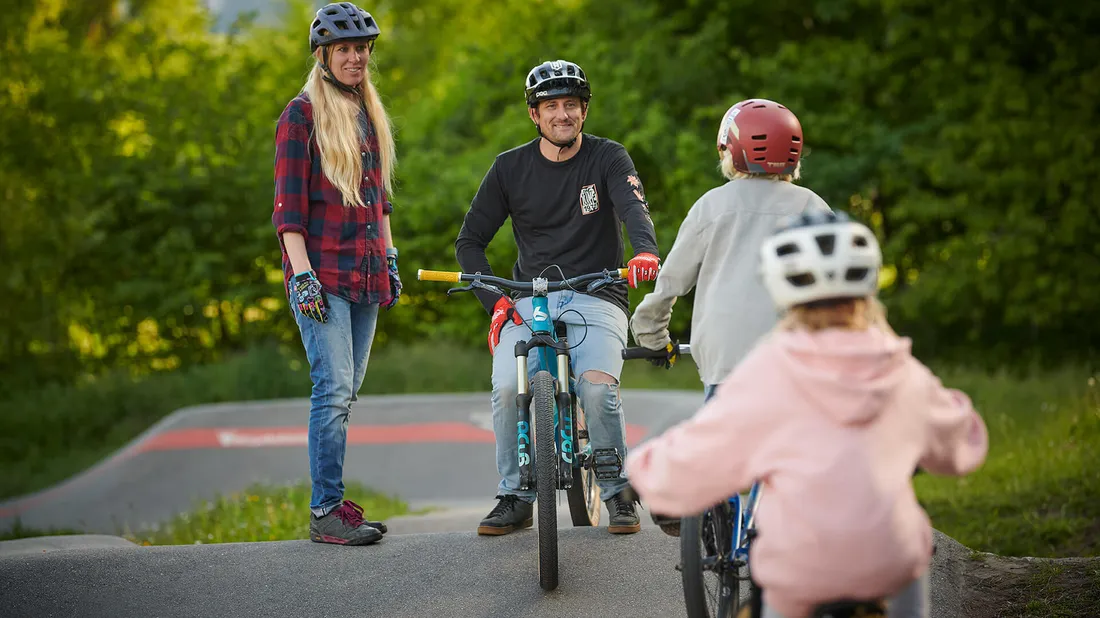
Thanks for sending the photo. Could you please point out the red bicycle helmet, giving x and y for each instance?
(763, 136)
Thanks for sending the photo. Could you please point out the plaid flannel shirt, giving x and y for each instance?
(344, 243)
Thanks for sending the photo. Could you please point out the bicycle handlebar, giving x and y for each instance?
(682, 349)
(615, 276)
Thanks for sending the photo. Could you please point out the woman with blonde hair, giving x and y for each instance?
(334, 167)
(831, 413)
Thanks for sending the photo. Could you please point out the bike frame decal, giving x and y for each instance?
(524, 440)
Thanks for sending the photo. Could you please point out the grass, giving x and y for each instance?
(1038, 493)
(1060, 591)
(259, 513)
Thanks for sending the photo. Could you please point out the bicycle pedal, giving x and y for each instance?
(607, 463)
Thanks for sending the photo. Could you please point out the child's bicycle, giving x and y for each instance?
(554, 450)
(714, 549)
(714, 545)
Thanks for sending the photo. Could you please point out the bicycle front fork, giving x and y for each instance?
(564, 429)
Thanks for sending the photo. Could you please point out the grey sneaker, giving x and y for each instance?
(511, 513)
(624, 517)
(343, 525)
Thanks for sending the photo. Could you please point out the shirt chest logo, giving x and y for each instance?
(590, 200)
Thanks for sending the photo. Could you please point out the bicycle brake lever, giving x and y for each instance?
(476, 284)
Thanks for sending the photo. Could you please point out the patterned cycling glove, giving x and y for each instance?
(310, 298)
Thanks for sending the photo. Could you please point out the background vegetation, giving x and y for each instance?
(141, 272)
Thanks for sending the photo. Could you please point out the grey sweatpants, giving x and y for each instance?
(910, 602)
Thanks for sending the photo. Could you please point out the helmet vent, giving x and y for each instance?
(826, 242)
(856, 274)
(802, 280)
(544, 74)
(786, 249)
(796, 139)
(859, 241)
(762, 136)
(341, 24)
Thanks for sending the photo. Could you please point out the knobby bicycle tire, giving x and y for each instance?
(546, 473)
(705, 540)
(584, 495)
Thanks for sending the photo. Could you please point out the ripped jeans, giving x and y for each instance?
(598, 350)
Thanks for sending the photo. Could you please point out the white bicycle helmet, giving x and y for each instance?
(820, 256)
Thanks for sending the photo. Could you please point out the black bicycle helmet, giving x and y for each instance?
(340, 21)
(554, 79)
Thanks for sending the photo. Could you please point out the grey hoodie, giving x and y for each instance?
(716, 252)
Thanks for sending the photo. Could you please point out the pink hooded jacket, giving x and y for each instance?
(833, 423)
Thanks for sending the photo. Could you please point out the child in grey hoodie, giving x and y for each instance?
(716, 249)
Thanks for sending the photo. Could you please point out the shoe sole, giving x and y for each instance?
(625, 529)
(502, 530)
(335, 540)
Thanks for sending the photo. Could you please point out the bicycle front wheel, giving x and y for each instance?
(546, 477)
(711, 585)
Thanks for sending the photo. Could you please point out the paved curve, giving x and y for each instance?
(430, 450)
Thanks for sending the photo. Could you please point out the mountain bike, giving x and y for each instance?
(554, 449)
(714, 549)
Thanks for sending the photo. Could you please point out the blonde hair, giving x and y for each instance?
(847, 314)
(336, 129)
(725, 165)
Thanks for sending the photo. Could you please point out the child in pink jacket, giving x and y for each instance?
(832, 413)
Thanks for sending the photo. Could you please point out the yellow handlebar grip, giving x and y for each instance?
(624, 272)
(437, 275)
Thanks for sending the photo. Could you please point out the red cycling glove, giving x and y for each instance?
(503, 311)
(642, 267)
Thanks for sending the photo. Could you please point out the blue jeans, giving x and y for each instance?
(598, 349)
(337, 351)
(709, 390)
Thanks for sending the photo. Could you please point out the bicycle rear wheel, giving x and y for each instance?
(584, 495)
(546, 473)
(711, 585)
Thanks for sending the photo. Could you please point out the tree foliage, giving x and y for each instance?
(136, 156)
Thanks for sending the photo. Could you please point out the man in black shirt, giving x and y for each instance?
(568, 195)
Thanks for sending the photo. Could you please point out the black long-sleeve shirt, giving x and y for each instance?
(567, 214)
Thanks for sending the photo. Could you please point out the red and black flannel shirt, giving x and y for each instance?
(344, 243)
